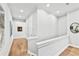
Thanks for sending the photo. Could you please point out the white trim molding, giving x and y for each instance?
(61, 50)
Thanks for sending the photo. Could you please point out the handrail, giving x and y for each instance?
(47, 42)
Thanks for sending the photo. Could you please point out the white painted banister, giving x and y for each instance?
(53, 46)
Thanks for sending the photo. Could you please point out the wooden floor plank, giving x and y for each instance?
(70, 51)
(19, 47)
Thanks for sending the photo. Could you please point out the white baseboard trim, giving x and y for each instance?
(65, 48)
(74, 45)
(31, 54)
(61, 50)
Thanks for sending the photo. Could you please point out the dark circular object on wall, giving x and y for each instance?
(74, 27)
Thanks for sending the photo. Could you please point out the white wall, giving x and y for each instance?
(40, 25)
(31, 32)
(47, 25)
(31, 25)
(73, 17)
(34, 24)
(43, 27)
(7, 39)
(15, 32)
(62, 26)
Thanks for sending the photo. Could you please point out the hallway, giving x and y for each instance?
(36, 29)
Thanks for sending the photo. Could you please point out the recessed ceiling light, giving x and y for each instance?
(57, 11)
(48, 5)
(21, 10)
(19, 16)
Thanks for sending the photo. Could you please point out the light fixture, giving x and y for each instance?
(57, 11)
(19, 16)
(21, 10)
(48, 5)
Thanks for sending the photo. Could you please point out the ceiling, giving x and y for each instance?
(57, 9)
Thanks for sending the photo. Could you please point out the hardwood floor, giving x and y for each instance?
(70, 51)
(19, 47)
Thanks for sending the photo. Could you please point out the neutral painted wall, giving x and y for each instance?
(31, 32)
(47, 25)
(31, 25)
(16, 33)
(74, 37)
(62, 26)
(7, 39)
(40, 25)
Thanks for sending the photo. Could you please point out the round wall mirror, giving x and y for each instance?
(74, 27)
